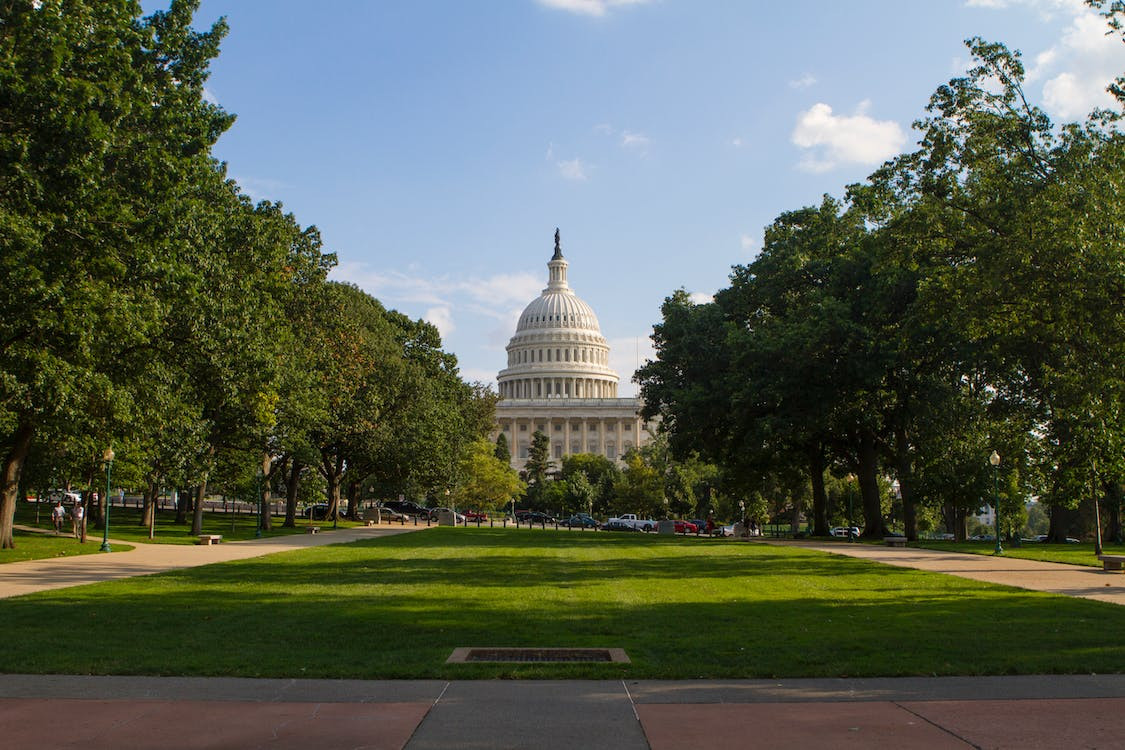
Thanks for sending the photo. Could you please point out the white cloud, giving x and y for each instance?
(638, 141)
(441, 291)
(747, 241)
(842, 139)
(736, 142)
(209, 96)
(442, 319)
(808, 79)
(573, 169)
(550, 152)
(701, 298)
(1076, 70)
(596, 8)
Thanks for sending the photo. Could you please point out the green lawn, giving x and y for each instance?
(124, 524)
(682, 608)
(31, 545)
(1073, 554)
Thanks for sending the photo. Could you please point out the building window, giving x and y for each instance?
(558, 451)
(611, 451)
(523, 428)
(558, 428)
(523, 450)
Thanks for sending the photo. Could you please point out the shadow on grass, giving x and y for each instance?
(397, 607)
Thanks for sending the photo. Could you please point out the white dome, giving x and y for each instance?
(558, 350)
(558, 309)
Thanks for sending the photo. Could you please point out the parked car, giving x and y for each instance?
(434, 512)
(685, 527)
(630, 519)
(407, 508)
(535, 516)
(581, 520)
(842, 531)
(390, 515)
(317, 512)
(725, 530)
(616, 524)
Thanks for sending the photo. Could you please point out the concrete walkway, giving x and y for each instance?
(1055, 578)
(954, 713)
(144, 559)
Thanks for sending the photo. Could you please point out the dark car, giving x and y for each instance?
(580, 520)
(407, 508)
(535, 517)
(615, 525)
(317, 512)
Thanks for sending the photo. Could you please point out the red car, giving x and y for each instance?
(685, 527)
(472, 516)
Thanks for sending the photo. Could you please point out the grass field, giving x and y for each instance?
(34, 546)
(1072, 554)
(681, 608)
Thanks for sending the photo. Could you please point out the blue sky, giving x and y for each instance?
(437, 145)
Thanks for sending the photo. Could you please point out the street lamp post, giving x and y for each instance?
(1097, 511)
(258, 504)
(994, 459)
(107, 457)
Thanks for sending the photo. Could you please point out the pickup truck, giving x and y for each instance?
(630, 519)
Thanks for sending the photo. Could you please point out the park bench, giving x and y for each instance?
(894, 541)
(1114, 563)
(210, 539)
(312, 530)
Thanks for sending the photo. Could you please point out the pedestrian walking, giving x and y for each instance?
(78, 516)
(58, 515)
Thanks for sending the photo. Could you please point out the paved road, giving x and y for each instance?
(144, 559)
(950, 713)
(1056, 578)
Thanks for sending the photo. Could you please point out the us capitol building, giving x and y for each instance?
(558, 380)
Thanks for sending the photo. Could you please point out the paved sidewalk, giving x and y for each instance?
(144, 559)
(54, 711)
(1055, 578)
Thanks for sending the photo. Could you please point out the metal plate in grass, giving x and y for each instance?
(537, 655)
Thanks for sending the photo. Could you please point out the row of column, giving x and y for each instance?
(558, 388)
(585, 445)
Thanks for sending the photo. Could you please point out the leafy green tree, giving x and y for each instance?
(106, 138)
(538, 468)
(487, 482)
(502, 452)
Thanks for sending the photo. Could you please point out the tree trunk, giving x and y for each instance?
(873, 526)
(353, 500)
(267, 495)
(9, 491)
(333, 469)
(1061, 521)
(819, 497)
(291, 494)
(904, 468)
(1113, 508)
(197, 511)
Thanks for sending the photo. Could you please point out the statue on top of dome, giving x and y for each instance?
(558, 248)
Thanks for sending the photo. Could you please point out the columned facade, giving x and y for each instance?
(558, 380)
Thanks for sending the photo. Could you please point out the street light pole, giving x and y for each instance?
(258, 504)
(1097, 511)
(994, 459)
(107, 457)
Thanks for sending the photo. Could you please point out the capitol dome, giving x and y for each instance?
(558, 350)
